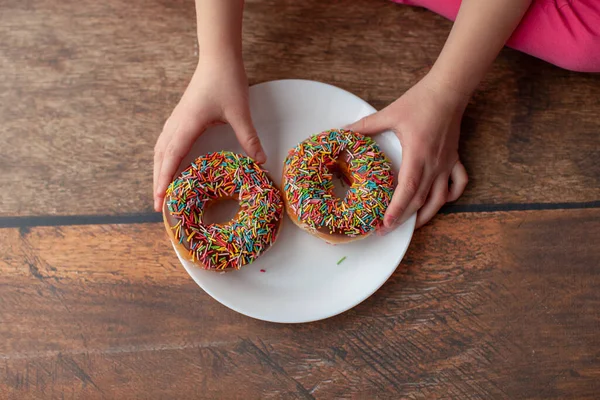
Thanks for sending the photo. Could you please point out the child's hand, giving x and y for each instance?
(426, 119)
(217, 94)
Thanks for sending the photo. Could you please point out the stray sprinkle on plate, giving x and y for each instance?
(262, 270)
(341, 260)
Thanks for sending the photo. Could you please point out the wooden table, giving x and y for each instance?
(498, 297)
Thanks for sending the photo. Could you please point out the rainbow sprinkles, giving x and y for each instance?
(240, 241)
(308, 183)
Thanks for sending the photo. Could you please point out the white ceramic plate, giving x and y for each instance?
(302, 281)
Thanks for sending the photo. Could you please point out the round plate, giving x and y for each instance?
(303, 278)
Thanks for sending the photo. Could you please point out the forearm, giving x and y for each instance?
(219, 28)
(480, 31)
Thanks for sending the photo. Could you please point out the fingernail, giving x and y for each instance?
(260, 157)
(156, 205)
(391, 222)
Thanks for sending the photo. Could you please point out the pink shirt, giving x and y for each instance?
(565, 33)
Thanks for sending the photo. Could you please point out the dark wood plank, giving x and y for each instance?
(87, 85)
(501, 305)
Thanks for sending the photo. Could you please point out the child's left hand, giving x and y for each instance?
(426, 119)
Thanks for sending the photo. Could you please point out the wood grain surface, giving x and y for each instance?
(501, 305)
(486, 305)
(86, 87)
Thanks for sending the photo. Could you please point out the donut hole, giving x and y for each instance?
(221, 211)
(341, 178)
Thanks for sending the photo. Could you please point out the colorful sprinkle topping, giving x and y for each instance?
(237, 242)
(341, 260)
(308, 183)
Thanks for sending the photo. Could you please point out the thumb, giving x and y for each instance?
(247, 136)
(372, 124)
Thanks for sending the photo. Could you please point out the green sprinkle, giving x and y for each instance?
(341, 260)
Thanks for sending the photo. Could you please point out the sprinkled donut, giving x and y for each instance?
(308, 185)
(214, 177)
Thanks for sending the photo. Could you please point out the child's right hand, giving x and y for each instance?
(216, 94)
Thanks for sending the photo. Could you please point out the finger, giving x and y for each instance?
(158, 157)
(247, 136)
(437, 198)
(372, 124)
(418, 199)
(459, 179)
(159, 151)
(175, 150)
(409, 181)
